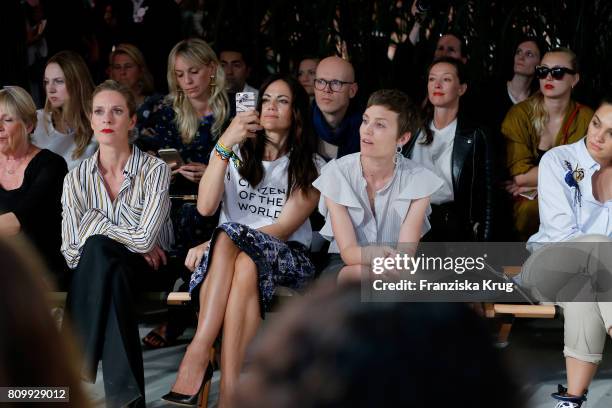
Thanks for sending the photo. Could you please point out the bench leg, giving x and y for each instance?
(504, 331)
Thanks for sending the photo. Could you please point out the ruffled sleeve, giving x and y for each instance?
(333, 184)
(415, 182)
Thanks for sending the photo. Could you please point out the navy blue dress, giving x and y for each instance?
(190, 228)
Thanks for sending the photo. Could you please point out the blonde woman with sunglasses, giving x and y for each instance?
(549, 118)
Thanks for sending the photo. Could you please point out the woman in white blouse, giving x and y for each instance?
(377, 198)
(63, 125)
(115, 229)
(575, 193)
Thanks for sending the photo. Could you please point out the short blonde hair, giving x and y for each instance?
(187, 121)
(18, 103)
(147, 84)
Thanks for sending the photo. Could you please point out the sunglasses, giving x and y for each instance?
(542, 72)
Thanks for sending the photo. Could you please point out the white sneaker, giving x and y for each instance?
(568, 404)
(565, 401)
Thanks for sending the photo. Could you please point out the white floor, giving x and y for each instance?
(535, 351)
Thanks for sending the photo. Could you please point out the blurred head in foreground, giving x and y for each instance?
(33, 353)
(331, 349)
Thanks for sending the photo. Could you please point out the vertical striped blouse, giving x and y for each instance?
(138, 218)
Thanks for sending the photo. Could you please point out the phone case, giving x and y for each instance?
(245, 101)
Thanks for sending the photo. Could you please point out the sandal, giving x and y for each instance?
(154, 340)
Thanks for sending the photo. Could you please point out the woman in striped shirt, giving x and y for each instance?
(115, 227)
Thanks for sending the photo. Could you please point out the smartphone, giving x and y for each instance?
(171, 157)
(245, 101)
(530, 195)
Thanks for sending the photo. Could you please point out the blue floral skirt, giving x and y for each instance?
(278, 263)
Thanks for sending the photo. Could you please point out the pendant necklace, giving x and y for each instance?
(18, 161)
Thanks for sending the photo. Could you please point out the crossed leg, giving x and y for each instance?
(213, 299)
(242, 318)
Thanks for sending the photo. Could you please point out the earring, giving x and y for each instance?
(398, 153)
(212, 84)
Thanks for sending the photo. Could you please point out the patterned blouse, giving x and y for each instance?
(163, 133)
(138, 218)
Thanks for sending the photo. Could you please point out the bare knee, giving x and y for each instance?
(245, 272)
(224, 251)
(223, 243)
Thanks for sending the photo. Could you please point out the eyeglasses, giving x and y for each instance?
(335, 84)
(542, 72)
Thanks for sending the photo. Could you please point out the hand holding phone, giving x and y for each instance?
(530, 195)
(245, 101)
(171, 157)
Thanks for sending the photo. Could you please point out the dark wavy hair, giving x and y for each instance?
(428, 111)
(301, 142)
(605, 100)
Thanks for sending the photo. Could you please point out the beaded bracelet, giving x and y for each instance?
(220, 156)
(225, 154)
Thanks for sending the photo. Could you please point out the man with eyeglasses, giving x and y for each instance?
(336, 117)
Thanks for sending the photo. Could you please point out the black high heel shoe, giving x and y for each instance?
(189, 400)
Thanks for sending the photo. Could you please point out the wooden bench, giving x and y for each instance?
(508, 312)
(182, 298)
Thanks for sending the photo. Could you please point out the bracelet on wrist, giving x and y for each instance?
(226, 154)
(220, 156)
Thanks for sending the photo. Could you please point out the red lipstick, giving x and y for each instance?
(107, 131)
(549, 86)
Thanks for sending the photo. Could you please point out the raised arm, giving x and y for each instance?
(211, 188)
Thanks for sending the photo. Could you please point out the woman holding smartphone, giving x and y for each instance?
(188, 121)
(262, 173)
(194, 112)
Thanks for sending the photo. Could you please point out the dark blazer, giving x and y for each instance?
(473, 182)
